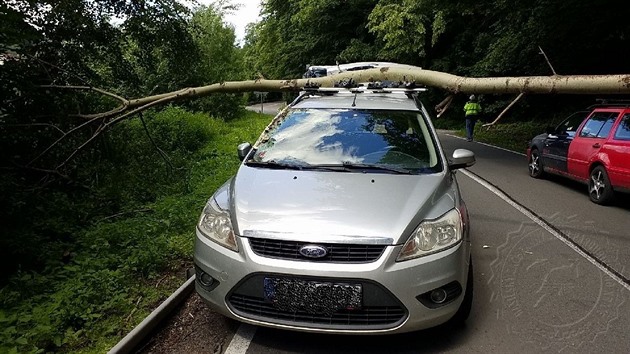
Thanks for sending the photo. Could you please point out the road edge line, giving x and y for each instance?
(619, 278)
(488, 145)
(241, 340)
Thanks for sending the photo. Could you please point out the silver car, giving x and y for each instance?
(344, 217)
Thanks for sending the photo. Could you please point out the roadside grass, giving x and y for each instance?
(136, 246)
(511, 136)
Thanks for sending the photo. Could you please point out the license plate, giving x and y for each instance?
(313, 297)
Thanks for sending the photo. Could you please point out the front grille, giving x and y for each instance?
(380, 309)
(337, 253)
(367, 316)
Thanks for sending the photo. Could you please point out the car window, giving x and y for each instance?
(310, 137)
(623, 130)
(599, 125)
(570, 125)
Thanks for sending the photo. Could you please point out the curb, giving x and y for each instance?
(138, 334)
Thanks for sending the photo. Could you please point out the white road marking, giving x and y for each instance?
(545, 226)
(241, 340)
(492, 146)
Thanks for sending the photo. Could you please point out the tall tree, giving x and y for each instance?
(409, 29)
(295, 33)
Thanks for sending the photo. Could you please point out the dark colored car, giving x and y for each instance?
(592, 147)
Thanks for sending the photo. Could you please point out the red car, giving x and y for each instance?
(591, 147)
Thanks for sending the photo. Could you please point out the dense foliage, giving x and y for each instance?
(129, 48)
(463, 37)
(107, 247)
(83, 246)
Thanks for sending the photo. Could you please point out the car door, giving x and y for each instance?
(589, 140)
(556, 146)
(617, 149)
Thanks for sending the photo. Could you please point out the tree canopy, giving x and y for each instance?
(476, 38)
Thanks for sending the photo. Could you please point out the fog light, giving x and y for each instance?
(441, 296)
(206, 280)
(438, 296)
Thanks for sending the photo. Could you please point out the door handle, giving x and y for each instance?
(596, 145)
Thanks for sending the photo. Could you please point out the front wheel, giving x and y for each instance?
(599, 188)
(535, 164)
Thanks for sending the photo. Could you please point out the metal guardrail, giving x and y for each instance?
(139, 333)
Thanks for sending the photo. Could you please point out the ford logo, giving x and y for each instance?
(313, 251)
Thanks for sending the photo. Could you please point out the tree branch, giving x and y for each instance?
(36, 169)
(112, 122)
(443, 106)
(87, 88)
(160, 151)
(121, 108)
(504, 111)
(547, 59)
(41, 61)
(98, 132)
(556, 84)
(61, 138)
(28, 125)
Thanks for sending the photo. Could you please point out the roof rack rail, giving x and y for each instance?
(610, 102)
(375, 87)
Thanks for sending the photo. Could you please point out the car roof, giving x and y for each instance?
(606, 103)
(359, 100)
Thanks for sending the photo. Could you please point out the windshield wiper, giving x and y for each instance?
(350, 166)
(342, 167)
(273, 165)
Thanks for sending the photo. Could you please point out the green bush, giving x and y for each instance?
(511, 136)
(97, 251)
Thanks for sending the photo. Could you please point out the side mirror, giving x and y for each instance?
(242, 150)
(462, 158)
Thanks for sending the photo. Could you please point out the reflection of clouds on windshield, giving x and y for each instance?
(304, 141)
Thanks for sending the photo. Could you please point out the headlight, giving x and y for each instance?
(433, 236)
(216, 225)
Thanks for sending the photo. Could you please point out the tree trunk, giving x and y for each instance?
(556, 84)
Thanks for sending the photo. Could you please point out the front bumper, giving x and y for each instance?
(403, 281)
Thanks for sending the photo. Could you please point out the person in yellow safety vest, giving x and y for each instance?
(472, 110)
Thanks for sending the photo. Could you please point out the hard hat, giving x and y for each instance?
(472, 97)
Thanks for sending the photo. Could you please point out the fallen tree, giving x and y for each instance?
(556, 84)
(452, 84)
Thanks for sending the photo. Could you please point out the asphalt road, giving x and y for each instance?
(551, 272)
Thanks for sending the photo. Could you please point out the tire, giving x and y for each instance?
(535, 164)
(463, 312)
(599, 188)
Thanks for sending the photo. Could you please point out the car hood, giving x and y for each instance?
(313, 205)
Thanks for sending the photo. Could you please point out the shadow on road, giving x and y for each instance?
(622, 200)
(438, 339)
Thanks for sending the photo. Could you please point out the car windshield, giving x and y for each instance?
(570, 125)
(379, 140)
